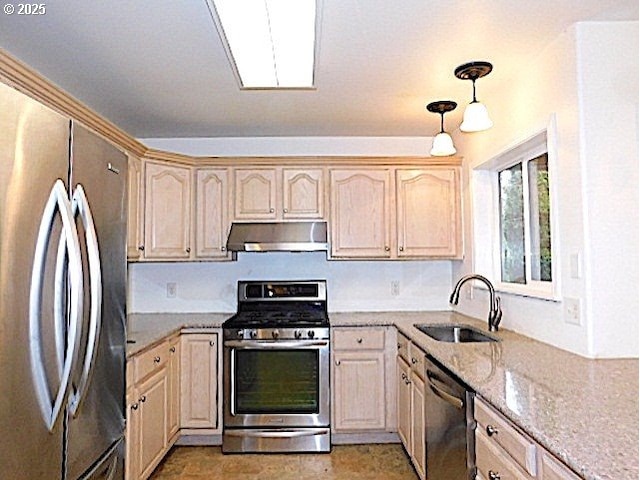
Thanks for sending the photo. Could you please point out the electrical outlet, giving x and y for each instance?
(395, 288)
(172, 289)
(572, 311)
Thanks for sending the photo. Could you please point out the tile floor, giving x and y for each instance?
(345, 462)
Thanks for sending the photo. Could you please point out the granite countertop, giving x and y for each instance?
(583, 411)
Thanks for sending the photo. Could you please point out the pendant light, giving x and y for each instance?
(476, 117)
(442, 142)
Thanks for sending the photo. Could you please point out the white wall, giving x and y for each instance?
(608, 56)
(294, 146)
(352, 286)
(583, 77)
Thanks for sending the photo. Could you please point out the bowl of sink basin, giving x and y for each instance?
(455, 333)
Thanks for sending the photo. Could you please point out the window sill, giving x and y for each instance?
(524, 291)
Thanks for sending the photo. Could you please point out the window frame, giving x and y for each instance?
(487, 229)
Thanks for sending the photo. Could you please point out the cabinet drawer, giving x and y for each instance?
(358, 339)
(403, 347)
(416, 359)
(497, 430)
(492, 462)
(150, 361)
(552, 469)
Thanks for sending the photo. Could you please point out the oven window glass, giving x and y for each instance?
(277, 381)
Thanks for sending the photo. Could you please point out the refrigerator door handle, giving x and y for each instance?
(80, 206)
(58, 201)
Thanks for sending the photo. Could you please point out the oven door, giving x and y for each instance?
(273, 384)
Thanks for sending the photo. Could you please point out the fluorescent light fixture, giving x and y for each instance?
(271, 43)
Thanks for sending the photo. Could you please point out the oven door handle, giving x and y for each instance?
(276, 433)
(278, 344)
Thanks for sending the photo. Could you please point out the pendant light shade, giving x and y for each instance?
(442, 142)
(476, 117)
(442, 145)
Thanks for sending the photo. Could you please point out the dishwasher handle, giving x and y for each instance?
(447, 397)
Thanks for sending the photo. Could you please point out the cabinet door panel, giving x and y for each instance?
(404, 402)
(173, 404)
(255, 194)
(428, 221)
(360, 214)
(199, 381)
(212, 225)
(418, 440)
(359, 391)
(135, 218)
(303, 193)
(167, 211)
(152, 421)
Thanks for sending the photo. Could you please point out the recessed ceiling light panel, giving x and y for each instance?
(271, 43)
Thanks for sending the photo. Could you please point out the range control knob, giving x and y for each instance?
(254, 333)
(311, 333)
(297, 334)
(275, 334)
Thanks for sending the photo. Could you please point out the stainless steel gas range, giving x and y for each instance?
(276, 369)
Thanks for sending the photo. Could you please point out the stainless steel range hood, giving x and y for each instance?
(278, 237)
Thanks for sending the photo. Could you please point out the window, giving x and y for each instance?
(525, 224)
(514, 219)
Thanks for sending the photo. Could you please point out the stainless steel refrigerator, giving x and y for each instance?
(62, 296)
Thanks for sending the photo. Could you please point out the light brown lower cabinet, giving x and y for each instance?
(150, 403)
(362, 387)
(199, 381)
(504, 452)
(411, 407)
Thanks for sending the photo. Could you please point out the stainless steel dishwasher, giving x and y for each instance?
(449, 426)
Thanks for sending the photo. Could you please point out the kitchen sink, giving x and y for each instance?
(455, 333)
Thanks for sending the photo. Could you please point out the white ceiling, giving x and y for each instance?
(158, 69)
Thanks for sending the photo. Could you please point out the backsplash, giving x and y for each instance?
(351, 285)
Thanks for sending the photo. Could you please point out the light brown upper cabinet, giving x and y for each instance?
(136, 208)
(396, 213)
(212, 212)
(279, 193)
(167, 211)
(428, 213)
(360, 213)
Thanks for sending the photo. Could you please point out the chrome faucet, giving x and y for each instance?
(495, 312)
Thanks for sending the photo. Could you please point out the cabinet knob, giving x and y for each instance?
(223, 248)
(401, 249)
(359, 340)
(143, 398)
(172, 349)
(407, 381)
(337, 362)
(404, 376)
(134, 406)
(413, 360)
(387, 249)
(212, 343)
(491, 430)
(271, 210)
(188, 250)
(156, 360)
(285, 210)
(141, 248)
(494, 475)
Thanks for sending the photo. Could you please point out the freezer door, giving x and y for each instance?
(96, 413)
(33, 156)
